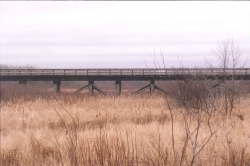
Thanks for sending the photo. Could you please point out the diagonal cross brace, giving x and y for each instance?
(151, 86)
(145, 87)
(93, 86)
(157, 87)
(79, 90)
(99, 90)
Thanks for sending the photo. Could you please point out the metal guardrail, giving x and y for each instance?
(129, 72)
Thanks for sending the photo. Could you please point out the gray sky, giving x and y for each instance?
(119, 34)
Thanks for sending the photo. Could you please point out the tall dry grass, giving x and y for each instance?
(66, 129)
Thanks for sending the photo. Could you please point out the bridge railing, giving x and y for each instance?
(129, 72)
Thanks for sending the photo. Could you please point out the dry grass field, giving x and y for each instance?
(67, 129)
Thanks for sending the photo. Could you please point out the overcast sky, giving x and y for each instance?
(119, 34)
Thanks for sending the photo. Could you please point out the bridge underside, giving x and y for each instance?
(56, 79)
(91, 87)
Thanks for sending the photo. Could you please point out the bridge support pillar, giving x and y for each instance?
(118, 87)
(91, 87)
(57, 85)
(152, 86)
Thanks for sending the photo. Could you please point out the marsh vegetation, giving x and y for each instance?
(195, 124)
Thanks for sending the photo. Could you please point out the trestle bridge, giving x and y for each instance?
(119, 75)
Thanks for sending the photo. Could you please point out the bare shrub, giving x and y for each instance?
(228, 54)
(194, 94)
